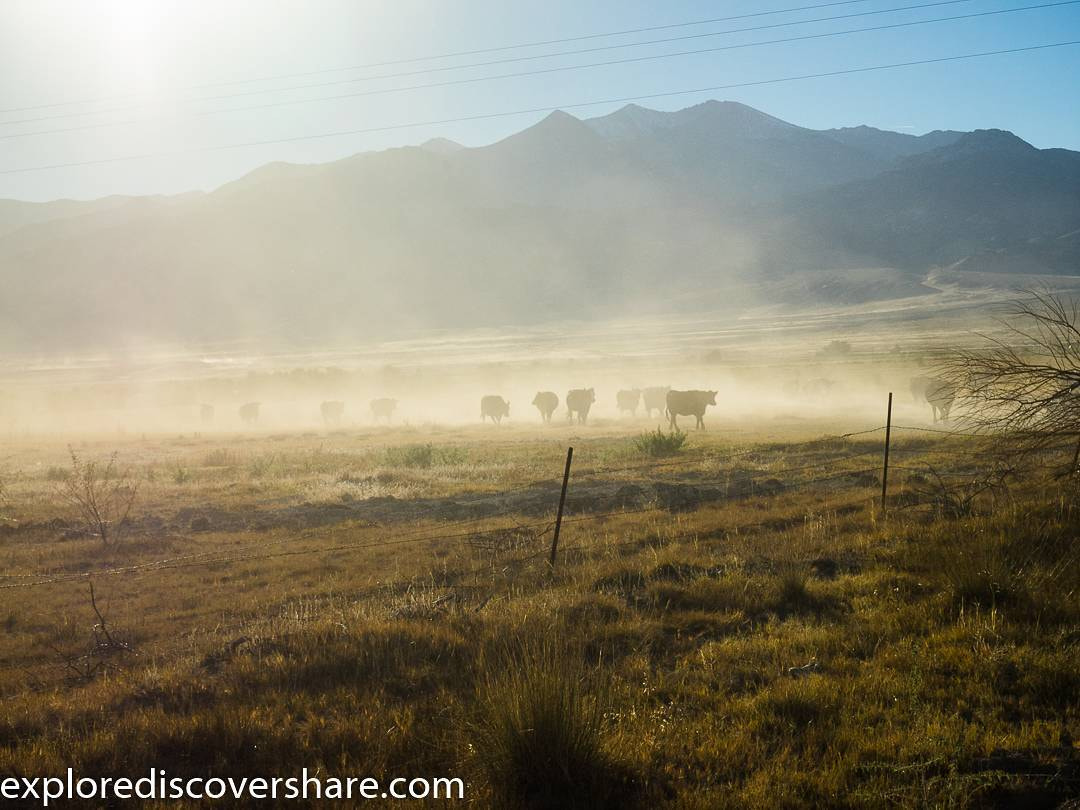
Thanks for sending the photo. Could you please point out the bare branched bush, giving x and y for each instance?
(1024, 386)
(101, 494)
(956, 497)
(104, 644)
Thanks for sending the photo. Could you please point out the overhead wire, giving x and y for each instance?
(551, 56)
(520, 74)
(534, 110)
(432, 57)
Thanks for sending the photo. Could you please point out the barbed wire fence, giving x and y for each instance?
(257, 551)
(516, 538)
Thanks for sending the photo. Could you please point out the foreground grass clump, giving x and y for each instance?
(538, 733)
(657, 444)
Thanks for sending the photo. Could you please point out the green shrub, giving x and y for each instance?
(658, 443)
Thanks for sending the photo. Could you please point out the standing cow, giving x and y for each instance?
(579, 401)
(249, 413)
(939, 394)
(495, 407)
(546, 402)
(689, 403)
(918, 388)
(382, 409)
(655, 400)
(332, 412)
(628, 401)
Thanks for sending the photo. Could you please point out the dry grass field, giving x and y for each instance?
(738, 623)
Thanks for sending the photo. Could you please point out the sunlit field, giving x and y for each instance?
(540, 406)
(735, 621)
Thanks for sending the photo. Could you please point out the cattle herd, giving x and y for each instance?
(937, 393)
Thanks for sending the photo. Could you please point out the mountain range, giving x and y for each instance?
(568, 219)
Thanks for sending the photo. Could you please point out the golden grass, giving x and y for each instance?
(777, 647)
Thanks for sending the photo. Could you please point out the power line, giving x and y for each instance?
(473, 52)
(534, 110)
(508, 60)
(541, 71)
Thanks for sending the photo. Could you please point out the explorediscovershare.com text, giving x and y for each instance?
(158, 785)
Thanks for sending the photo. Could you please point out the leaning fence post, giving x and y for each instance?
(562, 503)
(885, 466)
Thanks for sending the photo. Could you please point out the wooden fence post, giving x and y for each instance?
(885, 466)
(1076, 458)
(562, 503)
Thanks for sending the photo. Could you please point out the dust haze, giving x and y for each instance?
(824, 368)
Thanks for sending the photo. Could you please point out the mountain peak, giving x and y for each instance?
(736, 118)
(556, 127)
(731, 117)
(441, 146)
(631, 120)
(558, 118)
(997, 139)
(980, 145)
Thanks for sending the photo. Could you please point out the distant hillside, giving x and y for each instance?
(636, 210)
(892, 146)
(988, 192)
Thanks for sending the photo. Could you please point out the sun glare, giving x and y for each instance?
(131, 37)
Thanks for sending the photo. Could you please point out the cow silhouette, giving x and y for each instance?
(655, 400)
(628, 401)
(494, 407)
(689, 403)
(332, 412)
(249, 413)
(546, 402)
(382, 409)
(578, 402)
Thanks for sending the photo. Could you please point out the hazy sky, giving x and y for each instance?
(149, 66)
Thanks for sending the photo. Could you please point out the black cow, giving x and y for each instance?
(579, 401)
(689, 403)
(546, 402)
(495, 407)
(628, 401)
(939, 394)
(918, 388)
(249, 413)
(382, 409)
(332, 412)
(655, 400)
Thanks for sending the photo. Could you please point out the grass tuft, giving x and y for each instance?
(658, 444)
(538, 733)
